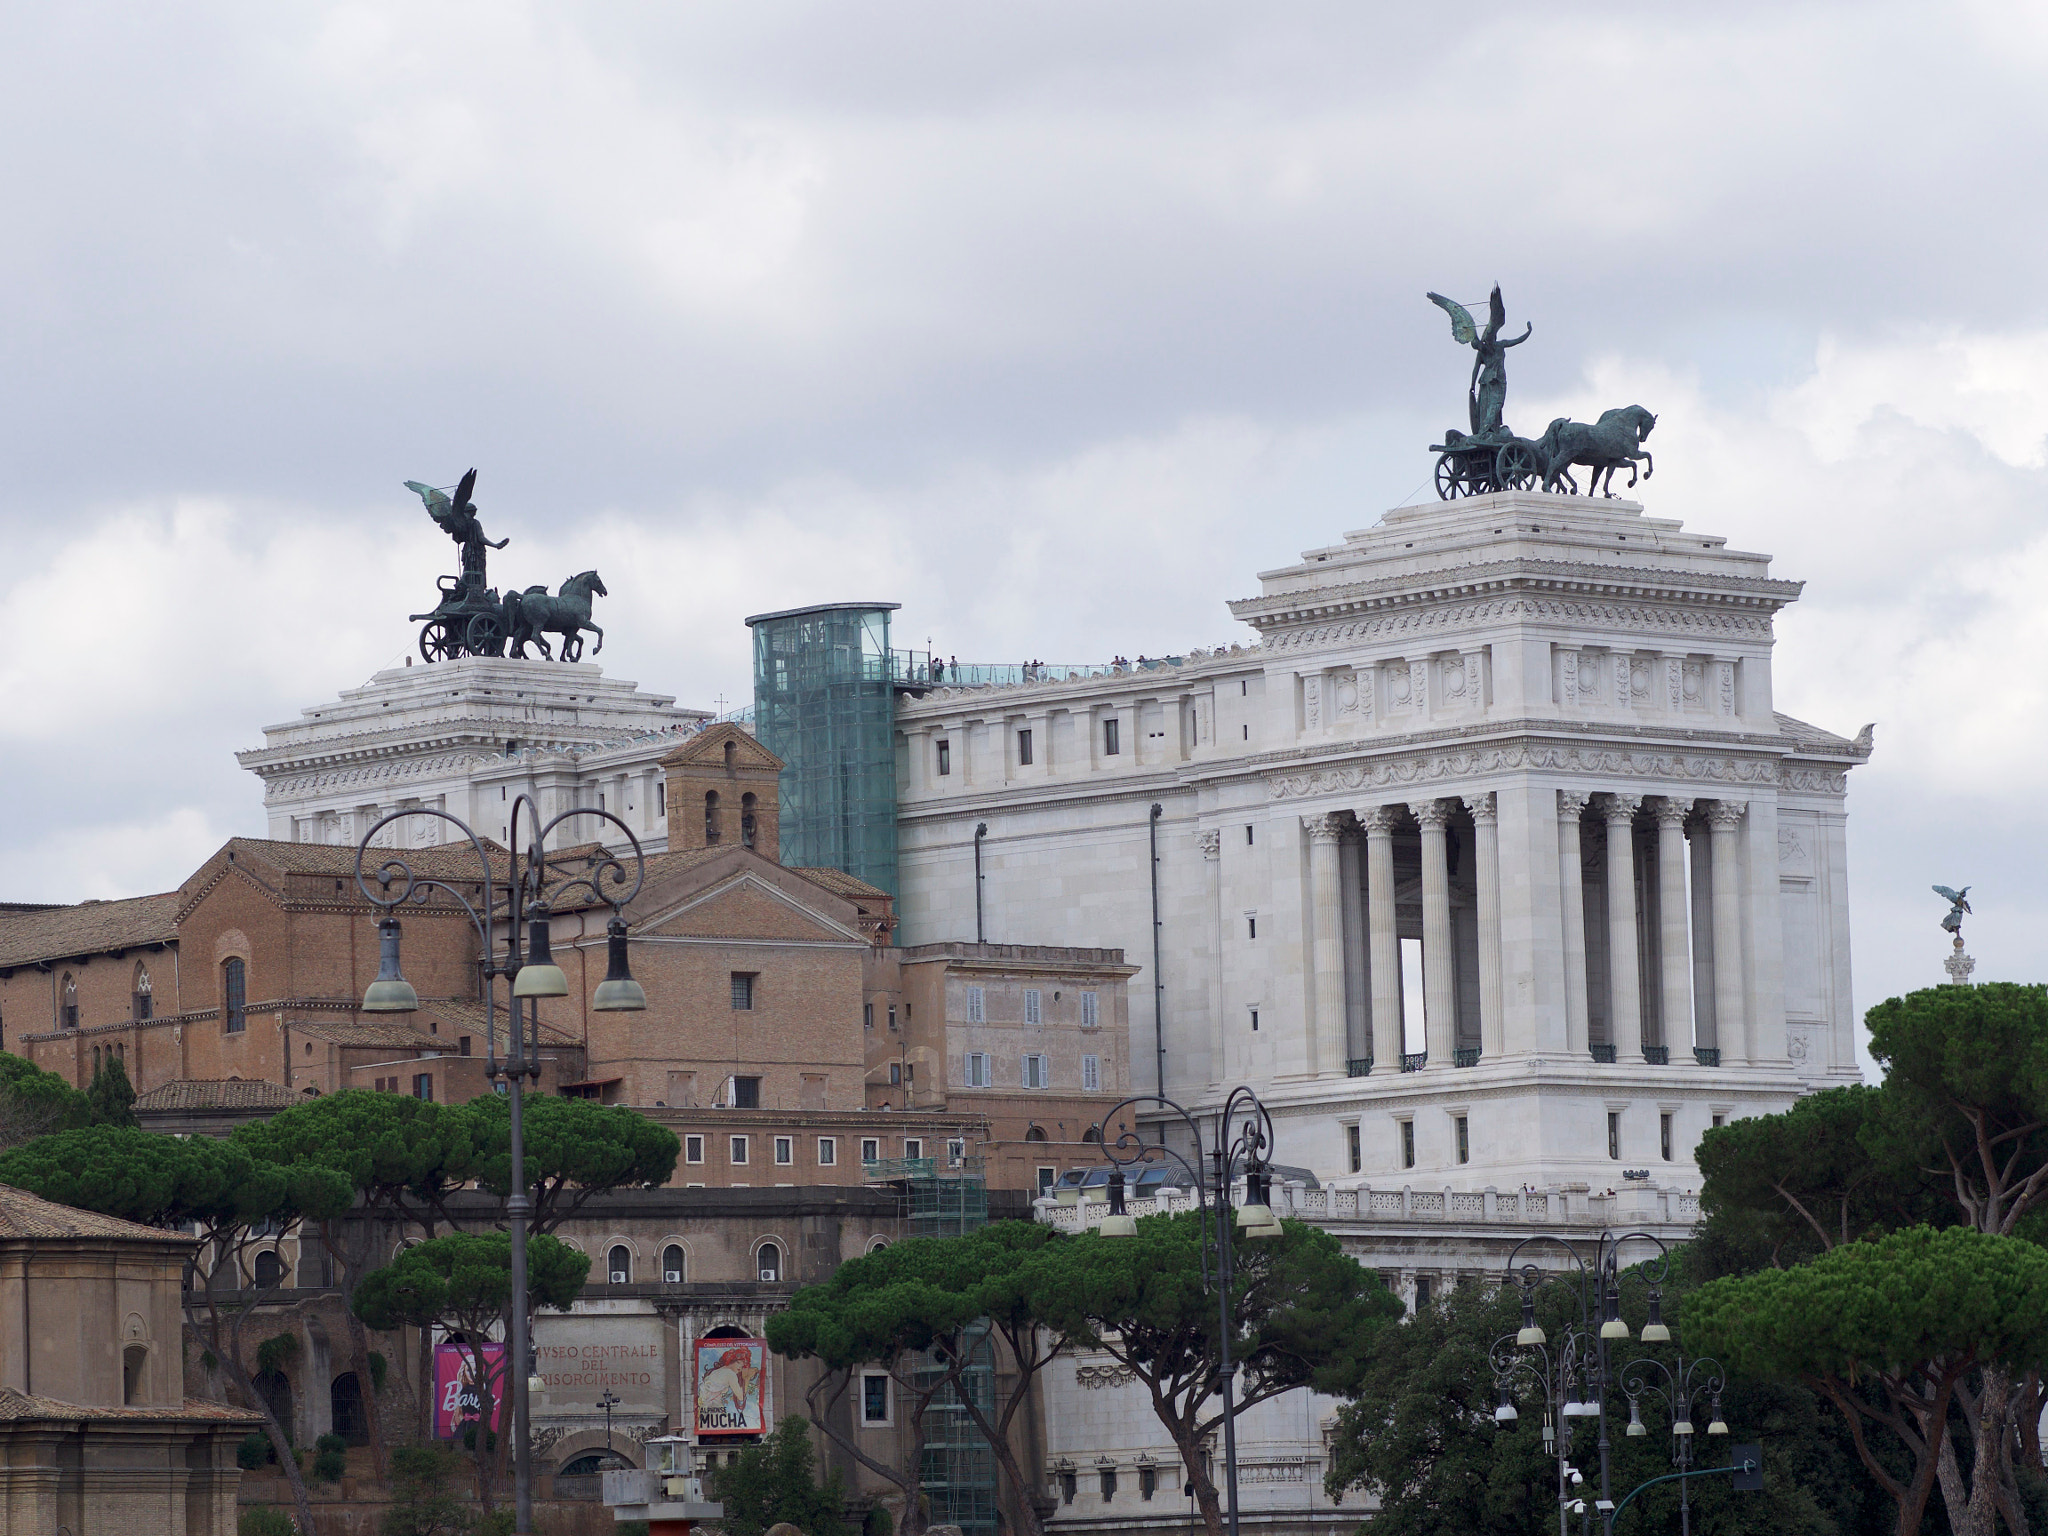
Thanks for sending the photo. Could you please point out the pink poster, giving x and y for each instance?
(458, 1395)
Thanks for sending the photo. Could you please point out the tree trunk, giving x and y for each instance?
(910, 1487)
(1987, 1467)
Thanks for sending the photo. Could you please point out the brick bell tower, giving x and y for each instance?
(723, 788)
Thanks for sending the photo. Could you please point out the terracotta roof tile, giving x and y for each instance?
(25, 1215)
(19, 1405)
(470, 1016)
(840, 883)
(90, 928)
(217, 1093)
(351, 1032)
(446, 861)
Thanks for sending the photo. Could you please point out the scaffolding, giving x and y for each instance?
(825, 703)
(941, 1198)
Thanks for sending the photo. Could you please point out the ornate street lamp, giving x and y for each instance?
(1246, 1151)
(530, 884)
(1678, 1387)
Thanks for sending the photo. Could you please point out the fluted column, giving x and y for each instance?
(1439, 956)
(1210, 842)
(1357, 1001)
(1673, 905)
(1326, 893)
(1724, 818)
(1486, 875)
(1624, 983)
(1571, 871)
(1383, 937)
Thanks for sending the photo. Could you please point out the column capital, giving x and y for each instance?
(1326, 828)
(1726, 815)
(1570, 804)
(1210, 842)
(1431, 813)
(1380, 820)
(1620, 807)
(1671, 810)
(1484, 808)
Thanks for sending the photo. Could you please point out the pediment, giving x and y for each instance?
(751, 905)
(706, 749)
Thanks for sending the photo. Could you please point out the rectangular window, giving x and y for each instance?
(1719, 1121)
(1614, 1134)
(1108, 1484)
(1464, 1139)
(1664, 1136)
(977, 1005)
(785, 1151)
(892, 1015)
(913, 1146)
(1066, 1487)
(870, 1149)
(1251, 927)
(1351, 1143)
(143, 1002)
(233, 1000)
(867, 1015)
(956, 1153)
(874, 1398)
(743, 989)
(977, 1069)
(693, 1149)
(746, 1093)
(945, 758)
(660, 799)
(1046, 1176)
(1148, 1482)
(1034, 1006)
(1407, 1143)
(1247, 835)
(423, 1086)
(1091, 1010)
(1255, 1021)
(1091, 1074)
(895, 1074)
(462, 1046)
(1422, 1290)
(1111, 743)
(1024, 749)
(1037, 1071)
(828, 1151)
(738, 1150)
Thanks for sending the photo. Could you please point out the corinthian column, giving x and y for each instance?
(1383, 936)
(1326, 892)
(1624, 983)
(1439, 957)
(1486, 873)
(1571, 873)
(1724, 817)
(1673, 906)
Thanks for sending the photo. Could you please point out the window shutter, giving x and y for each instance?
(1090, 1011)
(977, 1007)
(1091, 1073)
(1033, 1005)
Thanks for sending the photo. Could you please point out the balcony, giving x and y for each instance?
(1414, 1061)
(1657, 1055)
(1358, 1066)
(1603, 1053)
(1465, 1056)
(1707, 1055)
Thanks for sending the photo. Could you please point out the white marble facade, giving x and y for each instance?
(468, 737)
(1465, 727)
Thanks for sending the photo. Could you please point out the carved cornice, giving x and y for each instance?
(1403, 772)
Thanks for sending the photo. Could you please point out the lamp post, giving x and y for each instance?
(1559, 1375)
(1582, 1358)
(608, 1402)
(1247, 1150)
(530, 883)
(1681, 1386)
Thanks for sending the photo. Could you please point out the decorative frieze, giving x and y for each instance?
(1629, 617)
(1395, 773)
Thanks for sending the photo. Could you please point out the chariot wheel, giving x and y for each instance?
(1450, 482)
(440, 641)
(486, 635)
(1515, 467)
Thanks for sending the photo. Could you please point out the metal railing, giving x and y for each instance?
(1465, 1056)
(1358, 1066)
(921, 669)
(1603, 1053)
(1414, 1061)
(1657, 1055)
(1707, 1055)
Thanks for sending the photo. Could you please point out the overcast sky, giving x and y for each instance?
(1054, 322)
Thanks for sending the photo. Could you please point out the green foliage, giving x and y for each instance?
(378, 1368)
(110, 1100)
(631, 1528)
(253, 1453)
(265, 1520)
(575, 1149)
(879, 1523)
(463, 1281)
(330, 1466)
(35, 1103)
(396, 1151)
(331, 1443)
(776, 1481)
(422, 1504)
(1904, 1302)
(498, 1522)
(276, 1351)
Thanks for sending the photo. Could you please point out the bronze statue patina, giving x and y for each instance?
(1605, 446)
(470, 620)
(1958, 907)
(1487, 393)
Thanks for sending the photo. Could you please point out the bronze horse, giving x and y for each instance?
(1614, 440)
(529, 613)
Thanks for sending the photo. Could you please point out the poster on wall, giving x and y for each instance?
(458, 1396)
(732, 1383)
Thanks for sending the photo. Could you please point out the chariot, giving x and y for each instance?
(1479, 464)
(470, 621)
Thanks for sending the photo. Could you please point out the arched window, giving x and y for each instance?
(1093, 1135)
(619, 1263)
(233, 995)
(67, 1002)
(711, 815)
(345, 1400)
(672, 1264)
(770, 1261)
(143, 1001)
(95, 1061)
(133, 1361)
(1036, 1133)
(731, 751)
(746, 819)
(269, 1269)
(277, 1393)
